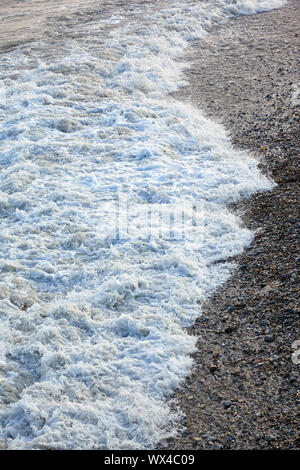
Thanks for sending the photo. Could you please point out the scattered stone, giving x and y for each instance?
(269, 339)
(230, 329)
(227, 404)
(68, 125)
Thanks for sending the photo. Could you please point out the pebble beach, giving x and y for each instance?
(243, 392)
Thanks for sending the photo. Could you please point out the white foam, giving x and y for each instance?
(93, 326)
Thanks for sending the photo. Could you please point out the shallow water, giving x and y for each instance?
(114, 216)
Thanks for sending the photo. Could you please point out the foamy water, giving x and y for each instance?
(93, 339)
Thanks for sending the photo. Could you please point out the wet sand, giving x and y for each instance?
(244, 392)
(26, 21)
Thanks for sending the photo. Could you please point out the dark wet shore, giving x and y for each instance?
(244, 390)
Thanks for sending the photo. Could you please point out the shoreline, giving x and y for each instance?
(243, 391)
(243, 381)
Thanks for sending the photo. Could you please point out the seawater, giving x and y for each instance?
(92, 319)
